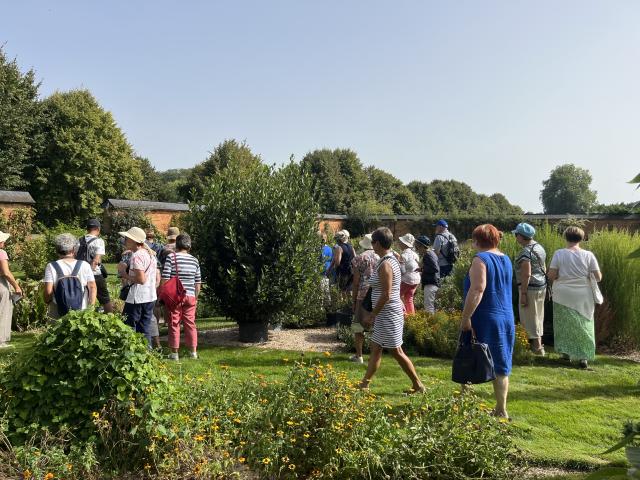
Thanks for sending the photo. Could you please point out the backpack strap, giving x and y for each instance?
(175, 263)
(76, 268)
(58, 269)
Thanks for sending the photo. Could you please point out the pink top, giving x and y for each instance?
(3, 255)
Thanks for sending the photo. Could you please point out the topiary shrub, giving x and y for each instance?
(83, 362)
(257, 243)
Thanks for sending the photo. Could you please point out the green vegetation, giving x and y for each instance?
(568, 190)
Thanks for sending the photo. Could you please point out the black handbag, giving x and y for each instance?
(472, 362)
(124, 292)
(367, 301)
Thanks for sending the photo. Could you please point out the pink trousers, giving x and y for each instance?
(184, 313)
(406, 294)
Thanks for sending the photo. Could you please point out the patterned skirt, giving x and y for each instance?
(573, 323)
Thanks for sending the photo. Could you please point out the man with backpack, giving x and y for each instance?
(91, 248)
(68, 283)
(445, 245)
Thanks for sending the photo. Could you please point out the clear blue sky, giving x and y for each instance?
(492, 93)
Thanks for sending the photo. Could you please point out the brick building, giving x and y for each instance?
(9, 201)
(161, 214)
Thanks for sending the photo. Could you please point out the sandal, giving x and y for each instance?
(364, 385)
(413, 391)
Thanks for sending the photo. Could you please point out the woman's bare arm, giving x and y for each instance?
(478, 277)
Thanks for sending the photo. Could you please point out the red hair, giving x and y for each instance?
(486, 236)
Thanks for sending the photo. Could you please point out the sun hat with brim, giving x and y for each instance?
(134, 233)
(366, 242)
(525, 230)
(423, 240)
(4, 236)
(408, 240)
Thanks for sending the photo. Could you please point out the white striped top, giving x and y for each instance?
(189, 269)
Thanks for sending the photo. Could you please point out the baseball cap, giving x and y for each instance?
(441, 223)
(93, 223)
(525, 230)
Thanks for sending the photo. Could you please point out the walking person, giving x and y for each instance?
(362, 266)
(445, 245)
(91, 248)
(67, 266)
(410, 270)
(187, 268)
(343, 253)
(531, 277)
(7, 281)
(429, 272)
(488, 311)
(387, 316)
(143, 277)
(572, 271)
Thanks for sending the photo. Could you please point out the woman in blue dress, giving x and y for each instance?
(488, 309)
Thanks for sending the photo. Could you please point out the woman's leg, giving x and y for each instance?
(173, 327)
(189, 323)
(407, 366)
(374, 364)
(404, 296)
(501, 389)
(411, 292)
(6, 312)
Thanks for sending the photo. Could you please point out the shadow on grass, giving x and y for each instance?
(555, 394)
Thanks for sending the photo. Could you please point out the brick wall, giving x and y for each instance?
(7, 208)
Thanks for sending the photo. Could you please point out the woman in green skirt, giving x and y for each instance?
(572, 271)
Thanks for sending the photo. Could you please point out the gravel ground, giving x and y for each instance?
(302, 340)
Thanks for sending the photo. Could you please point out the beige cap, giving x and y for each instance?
(4, 236)
(134, 233)
(408, 240)
(365, 242)
(173, 233)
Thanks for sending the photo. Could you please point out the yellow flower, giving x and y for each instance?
(48, 476)
(280, 433)
(95, 415)
(26, 474)
(327, 354)
(198, 438)
(266, 460)
(147, 466)
(242, 459)
(285, 459)
(285, 360)
(292, 466)
(289, 422)
(339, 451)
(69, 466)
(306, 435)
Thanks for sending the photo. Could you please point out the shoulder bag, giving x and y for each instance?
(597, 294)
(173, 293)
(472, 362)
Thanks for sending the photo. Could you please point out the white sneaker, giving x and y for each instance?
(173, 356)
(356, 359)
(194, 355)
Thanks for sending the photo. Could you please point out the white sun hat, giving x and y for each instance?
(365, 242)
(4, 236)
(134, 233)
(408, 240)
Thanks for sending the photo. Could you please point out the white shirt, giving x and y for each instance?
(574, 263)
(409, 266)
(146, 292)
(85, 275)
(96, 247)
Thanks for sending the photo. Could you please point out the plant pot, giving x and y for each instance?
(344, 318)
(332, 319)
(254, 332)
(633, 455)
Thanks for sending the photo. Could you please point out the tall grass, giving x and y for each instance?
(546, 235)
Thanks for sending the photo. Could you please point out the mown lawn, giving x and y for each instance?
(562, 416)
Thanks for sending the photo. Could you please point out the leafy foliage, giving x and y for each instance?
(19, 223)
(120, 221)
(568, 190)
(30, 312)
(256, 239)
(80, 364)
(87, 159)
(20, 117)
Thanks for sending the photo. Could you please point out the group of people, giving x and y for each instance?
(391, 278)
(77, 281)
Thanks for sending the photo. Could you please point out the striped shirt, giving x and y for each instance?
(189, 269)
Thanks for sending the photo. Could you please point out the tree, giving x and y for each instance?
(338, 179)
(388, 190)
(567, 190)
(257, 243)
(20, 115)
(86, 160)
(229, 153)
(152, 186)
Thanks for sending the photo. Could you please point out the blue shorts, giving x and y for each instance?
(139, 316)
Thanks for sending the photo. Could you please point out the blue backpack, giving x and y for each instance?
(68, 290)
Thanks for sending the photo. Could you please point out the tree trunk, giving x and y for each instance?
(254, 332)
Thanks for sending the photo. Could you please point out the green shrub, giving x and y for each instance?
(30, 312)
(19, 223)
(256, 240)
(34, 256)
(309, 307)
(120, 221)
(346, 335)
(77, 366)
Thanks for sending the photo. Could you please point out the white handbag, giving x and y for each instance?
(597, 294)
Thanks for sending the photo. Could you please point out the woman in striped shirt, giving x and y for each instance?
(187, 267)
(388, 312)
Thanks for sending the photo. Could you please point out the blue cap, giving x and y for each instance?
(441, 223)
(525, 230)
(423, 240)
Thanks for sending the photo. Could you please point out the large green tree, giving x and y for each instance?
(86, 160)
(20, 116)
(568, 190)
(390, 191)
(229, 153)
(152, 186)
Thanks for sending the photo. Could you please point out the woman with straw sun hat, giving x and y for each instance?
(6, 304)
(410, 268)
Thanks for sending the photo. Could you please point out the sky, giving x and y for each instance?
(492, 93)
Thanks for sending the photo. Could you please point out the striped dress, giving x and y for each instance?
(387, 328)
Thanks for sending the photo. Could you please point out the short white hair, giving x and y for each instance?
(65, 243)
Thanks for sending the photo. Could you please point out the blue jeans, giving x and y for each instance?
(139, 317)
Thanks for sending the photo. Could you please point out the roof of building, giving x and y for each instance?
(7, 196)
(119, 204)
